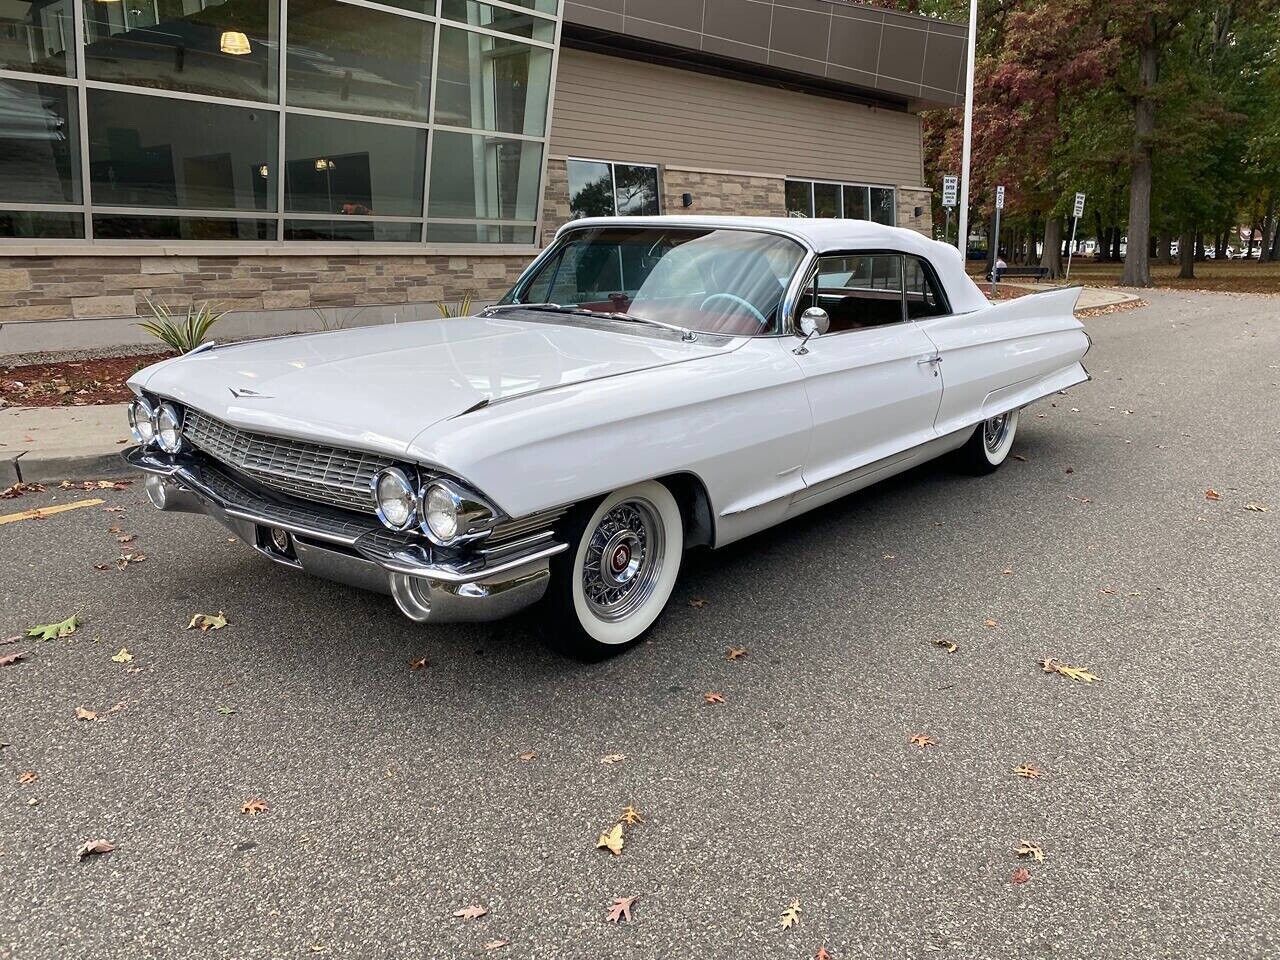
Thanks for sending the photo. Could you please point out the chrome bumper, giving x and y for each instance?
(426, 583)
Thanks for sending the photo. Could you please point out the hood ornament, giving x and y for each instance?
(244, 393)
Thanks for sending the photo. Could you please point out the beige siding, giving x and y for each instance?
(619, 109)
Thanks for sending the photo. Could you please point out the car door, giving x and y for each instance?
(872, 380)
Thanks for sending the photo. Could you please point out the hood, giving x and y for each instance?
(376, 388)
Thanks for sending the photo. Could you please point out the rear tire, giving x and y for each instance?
(990, 444)
(615, 579)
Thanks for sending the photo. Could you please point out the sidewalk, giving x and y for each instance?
(1090, 297)
(39, 444)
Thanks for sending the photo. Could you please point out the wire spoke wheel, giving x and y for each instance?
(994, 432)
(623, 559)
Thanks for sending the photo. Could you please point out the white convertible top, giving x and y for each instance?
(826, 235)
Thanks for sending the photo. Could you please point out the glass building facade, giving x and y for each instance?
(405, 121)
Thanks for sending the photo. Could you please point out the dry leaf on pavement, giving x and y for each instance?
(630, 816)
(528, 755)
(83, 714)
(922, 740)
(1028, 770)
(735, 653)
(1256, 508)
(127, 538)
(1212, 494)
(823, 954)
(1028, 849)
(947, 645)
(612, 840)
(125, 559)
(1020, 876)
(28, 776)
(10, 659)
(713, 697)
(93, 848)
(990, 624)
(473, 912)
(790, 916)
(14, 639)
(1051, 665)
(697, 602)
(419, 664)
(613, 758)
(497, 944)
(124, 656)
(206, 622)
(621, 909)
(254, 807)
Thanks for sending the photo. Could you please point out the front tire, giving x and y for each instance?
(990, 444)
(615, 579)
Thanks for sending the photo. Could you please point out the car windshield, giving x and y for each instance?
(729, 282)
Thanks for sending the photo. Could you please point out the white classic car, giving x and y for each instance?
(649, 384)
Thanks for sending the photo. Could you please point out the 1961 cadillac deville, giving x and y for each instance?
(648, 385)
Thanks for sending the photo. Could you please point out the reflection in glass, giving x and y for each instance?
(484, 178)
(636, 190)
(882, 205)
(222, 48)
(161, 152)
(40, 225)
(122, 227)
(39, 148)
(478, 233)
(590, 189)
(491, 83)
(799, 198)
(353, 168)
(855, 202)
(826, 199)
(35, 37)
(356, 60)
(499, 18)
(353, 231)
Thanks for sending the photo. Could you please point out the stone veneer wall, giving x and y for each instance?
(723, 193)
(908, 199)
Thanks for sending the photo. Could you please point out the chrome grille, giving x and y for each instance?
(312, 471)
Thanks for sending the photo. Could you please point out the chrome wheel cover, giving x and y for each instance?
(623, 558)
(994, 432)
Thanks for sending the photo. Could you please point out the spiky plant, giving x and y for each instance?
(185, 333)
(463, 306)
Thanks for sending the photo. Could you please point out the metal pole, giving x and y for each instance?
(1071, 249)
(946, 231)
(995, 271)
(962, 238)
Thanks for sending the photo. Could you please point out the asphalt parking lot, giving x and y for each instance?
(397, 796)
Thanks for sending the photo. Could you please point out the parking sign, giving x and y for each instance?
(950, 184)
(1079, 211)
(999, 198)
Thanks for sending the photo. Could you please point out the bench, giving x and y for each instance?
(1039, 273)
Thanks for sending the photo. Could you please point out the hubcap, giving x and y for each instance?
(994, 432)
(623, 558)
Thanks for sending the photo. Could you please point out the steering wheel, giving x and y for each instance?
(760, 317)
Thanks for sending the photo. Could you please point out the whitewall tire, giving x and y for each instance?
(616, 577)
(991, 442)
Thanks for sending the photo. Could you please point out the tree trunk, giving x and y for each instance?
(1199, 245)
(1219, 244)
(1116, 237)
(1099, 232)
(1137, 266)
(1268, 224)
(1275, 246)
(1186, 255)
(1052, 255)
(1162, 248)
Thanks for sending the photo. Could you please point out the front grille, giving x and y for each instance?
(313, 471)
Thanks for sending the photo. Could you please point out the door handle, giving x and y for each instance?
(937, 359)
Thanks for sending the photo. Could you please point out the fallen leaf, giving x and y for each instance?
(419, 664)
(735, 653)
(127, 538)
(1028, 849)
(55, 631)
(823, 954)
(1007, 571)
(125, 559)
(1020, 876)
(947, 645)
(612, 840)
(102, 566)
(790, 916)
(1256, 508)
(474, 912)
(14, 639)
(113, 509)
(28, 776)
(890, 556)
(922, 740)
(225, 710)
(630, 816)
(94, 848)
(1028, 770)
(621, 909)
(206, 622)
(124, 656)
(12, 658)
(990, 624)
(1212, 494)
(528, 755)
(613, 758)
(254, 807)
(1050, 665)
(83, 714)
(697, 603)
(18, 489)
(1018, 456)
(497, 944)
(713, 697)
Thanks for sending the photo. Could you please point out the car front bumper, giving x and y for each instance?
(426, 583)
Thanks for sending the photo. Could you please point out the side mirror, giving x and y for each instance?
(814, 322)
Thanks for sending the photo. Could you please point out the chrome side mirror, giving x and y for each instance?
(814, 322)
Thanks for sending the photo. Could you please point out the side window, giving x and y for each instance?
(924, 299)
(860, 290)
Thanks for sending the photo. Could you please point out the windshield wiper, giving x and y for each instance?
(685, 333)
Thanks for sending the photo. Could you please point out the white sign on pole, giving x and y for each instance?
(1076, 214)
(1079, 210)
(950, 185)
(999, 198)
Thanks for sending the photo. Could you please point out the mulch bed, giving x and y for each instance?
(72, 383)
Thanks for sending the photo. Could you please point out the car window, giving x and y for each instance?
(859, 291)
(924, 299)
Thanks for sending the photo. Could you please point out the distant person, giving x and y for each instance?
(1000, 268)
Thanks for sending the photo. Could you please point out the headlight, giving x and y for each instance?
(396, 498)
(440, 507)
(141, 421)
(169, 428)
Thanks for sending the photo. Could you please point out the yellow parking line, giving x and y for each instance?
(40, 512)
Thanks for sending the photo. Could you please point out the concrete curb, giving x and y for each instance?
(43, 444)
(34, 468)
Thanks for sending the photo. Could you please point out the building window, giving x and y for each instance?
(399, 121)
(853, 201)
(599, 188)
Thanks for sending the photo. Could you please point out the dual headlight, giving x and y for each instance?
(160, 426)
(446, 512)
